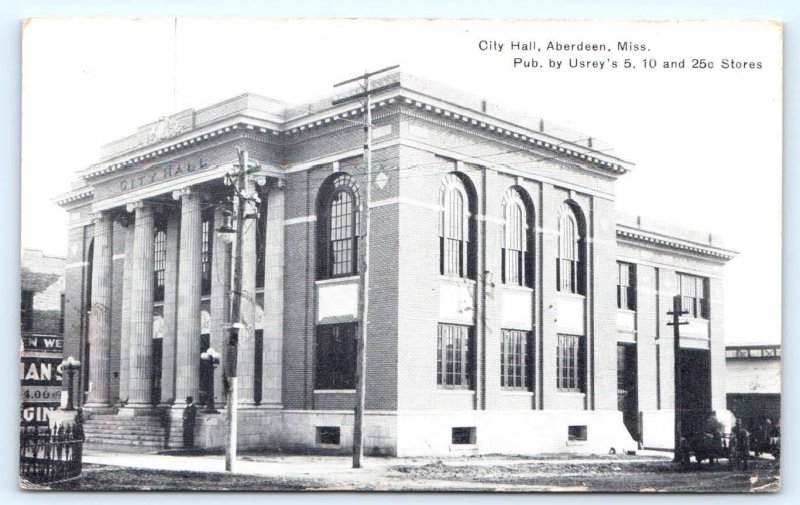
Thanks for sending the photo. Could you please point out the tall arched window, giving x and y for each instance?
(571, 261)
(337, 232)
(517, 250)
(455, 255)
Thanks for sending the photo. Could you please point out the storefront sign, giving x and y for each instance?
(43, 343)
(40, 371)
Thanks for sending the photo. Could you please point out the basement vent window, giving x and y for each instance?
(463, 436)
(328, 435)
(577, 434)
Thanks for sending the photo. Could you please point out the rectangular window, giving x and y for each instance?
(693, 291)
(454, 357)
(328, 435)
(516, 363)
(336, 356)
(26, 311)
(159, 264)
(569, 365)
(626, 286)
(463, 435)
(205, 253)
(577, 433)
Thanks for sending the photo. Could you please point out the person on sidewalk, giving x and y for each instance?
(189, 416)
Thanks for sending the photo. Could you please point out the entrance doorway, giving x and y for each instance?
(206, 372)
(694, 396)
(155, 395)
(627, 391)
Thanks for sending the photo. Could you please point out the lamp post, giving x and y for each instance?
(70, 365)
(212, 357)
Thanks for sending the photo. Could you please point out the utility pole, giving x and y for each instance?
(676, 323)
(363, 299)
(240, 202)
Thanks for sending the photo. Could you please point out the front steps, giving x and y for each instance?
(146, 431)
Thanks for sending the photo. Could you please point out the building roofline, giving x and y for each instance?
(266, 115)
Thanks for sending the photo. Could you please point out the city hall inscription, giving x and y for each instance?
(158, 173)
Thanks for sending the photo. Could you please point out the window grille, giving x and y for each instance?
(516, 361)
(454, 358)
(160, 264)
(569, 364)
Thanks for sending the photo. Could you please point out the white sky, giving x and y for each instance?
(707, 143)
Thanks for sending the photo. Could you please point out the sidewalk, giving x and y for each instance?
(334, 466)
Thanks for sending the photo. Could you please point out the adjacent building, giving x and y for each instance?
(511, 308)
(41, 337)
(753, 382)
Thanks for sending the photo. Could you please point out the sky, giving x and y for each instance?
(706, 141)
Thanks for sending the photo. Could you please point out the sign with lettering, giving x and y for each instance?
(36, 414)
(40, 371)
(43, 343)
(160, 172)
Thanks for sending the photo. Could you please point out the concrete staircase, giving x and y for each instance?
(145, 431)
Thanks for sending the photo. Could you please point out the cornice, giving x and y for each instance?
(655, 239)
(73, 196)
(449, 113)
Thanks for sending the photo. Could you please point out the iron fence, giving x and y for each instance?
(48, 455)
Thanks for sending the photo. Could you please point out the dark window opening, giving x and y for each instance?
(577, 433)
(258, 366)
(206, 372)
(516, 360)
(693, 291)
(626, 286)
(336, 356)
(205, 252)
(455, 359)
(463, 436)
(570, 363)
(159, 264)
(261, 241)
(329, 435)
(26, 310)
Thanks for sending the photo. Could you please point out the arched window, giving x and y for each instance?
(517, 250)
(337, 232)
(571, 261)
(455, 230)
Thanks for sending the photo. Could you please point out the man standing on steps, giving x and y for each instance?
(189, 415)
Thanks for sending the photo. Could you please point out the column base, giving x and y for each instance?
(98, 408)
(143, 409)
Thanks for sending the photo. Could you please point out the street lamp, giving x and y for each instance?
(211, 357)
(70, 365)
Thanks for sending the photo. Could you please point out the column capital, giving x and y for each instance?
(133, 206)
(98, 216)
(178, 193)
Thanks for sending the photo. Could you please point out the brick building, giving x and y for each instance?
(511, 309)
(42, 329)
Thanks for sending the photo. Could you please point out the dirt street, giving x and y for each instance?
(493, 474)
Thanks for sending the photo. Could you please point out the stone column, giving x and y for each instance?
(124, 359)
(140, 370)
(187, 359)
(100, 319)
(273, 299)
(246, 365)
(220, 301)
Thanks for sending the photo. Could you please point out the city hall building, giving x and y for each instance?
(511, 309)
